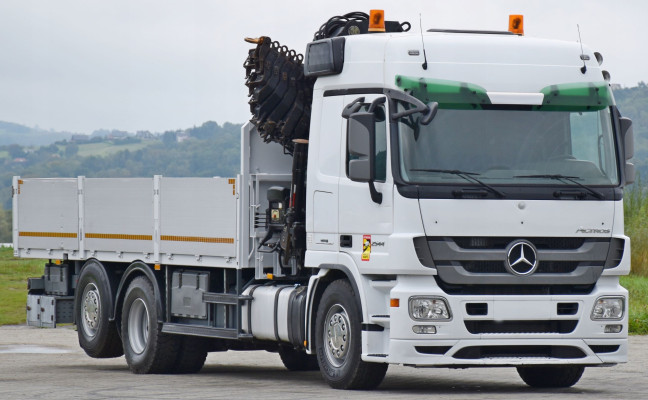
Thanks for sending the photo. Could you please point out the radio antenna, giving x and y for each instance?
(582, 56)
(423, 44)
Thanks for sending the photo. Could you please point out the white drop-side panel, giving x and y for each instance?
(119, 215)
(48, 217)
(198, 216)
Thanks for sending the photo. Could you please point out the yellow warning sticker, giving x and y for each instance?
(366, 247)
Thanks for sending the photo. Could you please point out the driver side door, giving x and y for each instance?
(364, 224)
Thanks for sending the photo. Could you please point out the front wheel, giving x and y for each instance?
(338, 341)
(298, 360)
(551, 376)
(146, 348)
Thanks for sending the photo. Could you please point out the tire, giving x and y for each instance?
(298, 360)
(338, 341)
(147, 349)
(98, 337)
(191, 355)
(551, 376)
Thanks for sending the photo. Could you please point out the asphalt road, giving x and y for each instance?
(48, 364)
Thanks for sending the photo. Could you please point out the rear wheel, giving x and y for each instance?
(146, 348)
(339, 341)
(98, 337)
(191, 355)
(551, 376)
(298, 360)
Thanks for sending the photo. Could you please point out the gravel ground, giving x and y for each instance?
(48, 364)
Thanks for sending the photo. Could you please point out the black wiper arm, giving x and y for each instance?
(563, 178)
(469, 176)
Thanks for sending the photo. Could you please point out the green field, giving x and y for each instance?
(13, 285)
(100, 149)
(103, 149)
(14, 274)
(638, 288)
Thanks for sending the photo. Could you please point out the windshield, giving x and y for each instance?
(508, 146)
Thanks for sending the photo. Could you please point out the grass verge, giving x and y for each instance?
(13, 285)
(14, 273)
(638, 288)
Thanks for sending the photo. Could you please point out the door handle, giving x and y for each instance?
(346, 241)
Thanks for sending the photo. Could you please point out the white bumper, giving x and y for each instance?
(584, 341)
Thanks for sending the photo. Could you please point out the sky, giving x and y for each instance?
(82, 65)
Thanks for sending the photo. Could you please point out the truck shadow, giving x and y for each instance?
(395, 383)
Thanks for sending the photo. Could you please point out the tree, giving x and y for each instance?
(5, 225)
(169, 138)
(71, 149)
(16, 151)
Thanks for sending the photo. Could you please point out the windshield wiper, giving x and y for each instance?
(469, 176)
(563, 178)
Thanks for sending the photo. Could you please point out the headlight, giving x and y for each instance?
(429, 308)
(608, 308)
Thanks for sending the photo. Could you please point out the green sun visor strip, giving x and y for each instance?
(449, 94)
(585, 96)
(581, 96)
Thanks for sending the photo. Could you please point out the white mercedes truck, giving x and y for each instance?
(447, 198)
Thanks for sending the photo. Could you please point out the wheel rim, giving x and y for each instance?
(138, 326)
(91, 312)
(337, 335)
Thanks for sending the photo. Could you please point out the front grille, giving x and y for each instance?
(567, 308)
(562, 326)
(478, 352)
(604, 348)
(439, 350)
(615, 253)
(477, 308)
(478, 265)
(497, 267)
(512, 290)
(495, 243)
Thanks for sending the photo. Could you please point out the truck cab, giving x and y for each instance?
(490, 233)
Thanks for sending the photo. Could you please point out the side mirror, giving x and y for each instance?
(433, 107)
(630, 173)
(362, 146)
(352, 107)
(627, 133)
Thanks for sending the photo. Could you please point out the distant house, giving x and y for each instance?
(117, 135)
(144, 135)
(182, 136)
(80, 138)
(19, 160)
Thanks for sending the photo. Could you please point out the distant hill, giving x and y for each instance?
(11, 133)
(207, 150)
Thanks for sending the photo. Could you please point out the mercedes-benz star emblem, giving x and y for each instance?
(522, 258)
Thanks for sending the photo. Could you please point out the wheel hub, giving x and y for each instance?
(138, 326)
(337, 335)
(91, 310)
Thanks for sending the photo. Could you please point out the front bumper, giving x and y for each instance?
(514, 330)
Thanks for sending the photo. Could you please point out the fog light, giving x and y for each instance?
(613, 328)
(429, 308)
(424, 329)
(608, 308)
